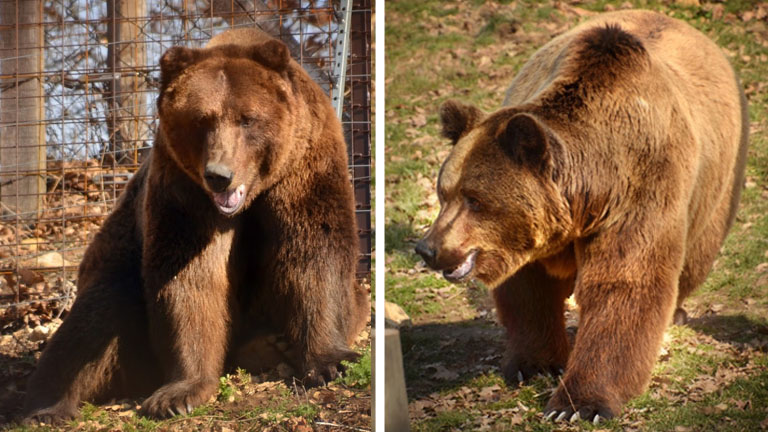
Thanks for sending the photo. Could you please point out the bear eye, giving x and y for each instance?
(473, 204)
(247, 122)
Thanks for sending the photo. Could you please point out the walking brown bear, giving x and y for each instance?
(240, 222)
(613, 172)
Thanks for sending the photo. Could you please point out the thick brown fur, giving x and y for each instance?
(614, 172)
(172, 286)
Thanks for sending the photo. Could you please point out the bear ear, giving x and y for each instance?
(273, 54)
(174, 61)
(524, 138)
(458, 118)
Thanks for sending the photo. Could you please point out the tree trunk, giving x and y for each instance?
(127, 92)
(22, 132)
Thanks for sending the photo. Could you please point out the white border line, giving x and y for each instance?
(379, 213)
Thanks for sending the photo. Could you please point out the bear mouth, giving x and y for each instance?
(463, 270)
(230, 201)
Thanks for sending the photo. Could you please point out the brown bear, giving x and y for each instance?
(240, 222)
(612, 172)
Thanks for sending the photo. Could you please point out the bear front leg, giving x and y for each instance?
(530, 305)
(188, 292)
(316, 307)
(626, 300)
(309, 278)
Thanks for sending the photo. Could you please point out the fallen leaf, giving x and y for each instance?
(718, 11)
(441, 372)
(419, 120)
(490, 393)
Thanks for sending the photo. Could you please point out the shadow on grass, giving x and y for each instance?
(14, 372)
(443, 356)
(730, 328)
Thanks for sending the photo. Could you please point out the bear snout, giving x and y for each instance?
(427, 252)
(218, 177)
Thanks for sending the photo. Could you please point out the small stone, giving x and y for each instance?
(395, 316)
(50, 260)
(40, 333)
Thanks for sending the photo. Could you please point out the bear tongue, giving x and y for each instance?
(229, 201)
(463, 269)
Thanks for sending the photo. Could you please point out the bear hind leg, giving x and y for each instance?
(700, 256)
(85, 359)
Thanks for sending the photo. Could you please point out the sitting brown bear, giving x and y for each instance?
(240, 222)
(613, 172)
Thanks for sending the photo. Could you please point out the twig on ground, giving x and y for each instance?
(354, 428)
(567, 393)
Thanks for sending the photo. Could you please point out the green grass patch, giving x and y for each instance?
(403, 289)
(358, 374)
(449, 420)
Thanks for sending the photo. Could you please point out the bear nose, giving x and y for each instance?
(426, 252)
(218, 177)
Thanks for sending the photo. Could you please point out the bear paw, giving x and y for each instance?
(572, 410)
(517, 372)
(326, 368)
(177, 398)
(317, 377)
(54, 415)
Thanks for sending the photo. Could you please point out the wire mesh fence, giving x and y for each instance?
(78, 82)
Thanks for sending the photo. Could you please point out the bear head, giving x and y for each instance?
(226, 118)
(500, 203)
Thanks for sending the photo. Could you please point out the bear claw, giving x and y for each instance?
(176, 398)
(558, 416)
(55, 415)
(515, 377)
